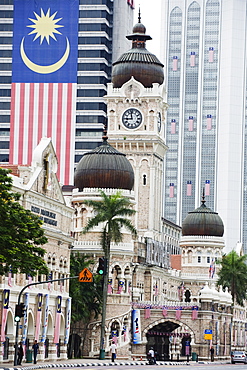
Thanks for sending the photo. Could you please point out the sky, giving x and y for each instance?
(150, 17)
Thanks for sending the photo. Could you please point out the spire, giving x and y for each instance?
(139, 15)
(203, 196)
(105, 137)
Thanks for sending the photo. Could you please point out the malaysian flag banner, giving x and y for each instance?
(58, 320)
(25, 320)
(207, 187)
(175, 63)
(171, 192)
(191, 123)
(136, 327)
(6, 294)
(45, 318)
(67, 321)
(173, 126)
(209, 122)
(192, 59)
(189, 188)
(44, 77)
(38, 316)
(211, 55)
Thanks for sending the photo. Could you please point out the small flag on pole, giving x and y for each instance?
(207, 187)
(175, 63)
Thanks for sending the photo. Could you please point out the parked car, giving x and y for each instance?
(238, 356)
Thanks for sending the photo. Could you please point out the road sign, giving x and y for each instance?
(208, 334)
(85, 276)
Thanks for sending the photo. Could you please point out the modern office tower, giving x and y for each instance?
(204, 49)
(103, 25)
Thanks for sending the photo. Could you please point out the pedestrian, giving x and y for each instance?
(19, 354)
(113, 349)
(151, 356)
(212, 354)
(35, 351)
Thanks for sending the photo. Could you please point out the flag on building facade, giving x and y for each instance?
(211, 55)
(171, 192)
(173, 126)
(211, 271)
(5, 307)
(175, 63)
(192, 59)
(58, 320)
(189, 188)
(191, 123)
(209, 122)
(131, 3)
(207, 187)
(44, 81)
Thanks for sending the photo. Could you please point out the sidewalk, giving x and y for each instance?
(95, 362)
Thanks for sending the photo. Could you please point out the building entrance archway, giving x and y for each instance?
(168, 340)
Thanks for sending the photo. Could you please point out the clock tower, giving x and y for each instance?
(136, 110)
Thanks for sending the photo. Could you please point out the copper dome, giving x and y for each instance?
(104, 167)
(138, 62)
(203, 221)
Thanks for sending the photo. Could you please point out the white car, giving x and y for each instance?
(238, 356)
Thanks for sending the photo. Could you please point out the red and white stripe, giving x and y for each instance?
(44, 110)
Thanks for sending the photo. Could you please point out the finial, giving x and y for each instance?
(139, 15)
(203, 196)
(105, 137)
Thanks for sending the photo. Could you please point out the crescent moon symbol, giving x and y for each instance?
(44, 69)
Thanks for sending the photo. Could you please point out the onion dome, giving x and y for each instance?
(203, 221)
(206, 293)
(104, 167)
(138, 62)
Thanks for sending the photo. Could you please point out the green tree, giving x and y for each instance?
(86, 297)
(233, 274)
(112, 212)
(21, 234)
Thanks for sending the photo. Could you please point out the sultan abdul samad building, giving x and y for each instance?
(161, 290)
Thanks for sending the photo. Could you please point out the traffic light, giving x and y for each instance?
(102, 267)
(20, 310)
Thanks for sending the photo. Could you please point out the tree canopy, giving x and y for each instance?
(233, 274)
(21, 234)
(86, 297)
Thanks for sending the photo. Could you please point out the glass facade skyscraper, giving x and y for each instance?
(204, 49)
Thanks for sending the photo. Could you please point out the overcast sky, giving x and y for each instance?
(150, 17)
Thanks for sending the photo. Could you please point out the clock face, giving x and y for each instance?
(159, 121)
(132, 118)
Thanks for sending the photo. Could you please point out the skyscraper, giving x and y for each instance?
(103, 25)
(204, 49)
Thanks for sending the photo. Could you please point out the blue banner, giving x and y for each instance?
(136, 327)
(45, 41)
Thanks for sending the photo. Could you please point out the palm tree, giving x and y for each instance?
(112, 212)
(233, 274)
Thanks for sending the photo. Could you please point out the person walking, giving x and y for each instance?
(20, 354)
(113, 350)
(212, 354)
(35, 351)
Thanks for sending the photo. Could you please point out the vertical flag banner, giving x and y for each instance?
(175, 63)
(6, 294)
(171, 192)
(131, 3)
(25, 320)
(173, 126)
(136, 326)
(211, 55)
(45, 317)
(209, 122)
(38, 316)
(44, 77)
(191, 123)
(189, 188)
(67, 321)
(192, 59)
(58, 319)
(207, 187)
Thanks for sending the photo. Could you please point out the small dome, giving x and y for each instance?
(203, 221)
(138, 62)
(206, 294)
(104, 167)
